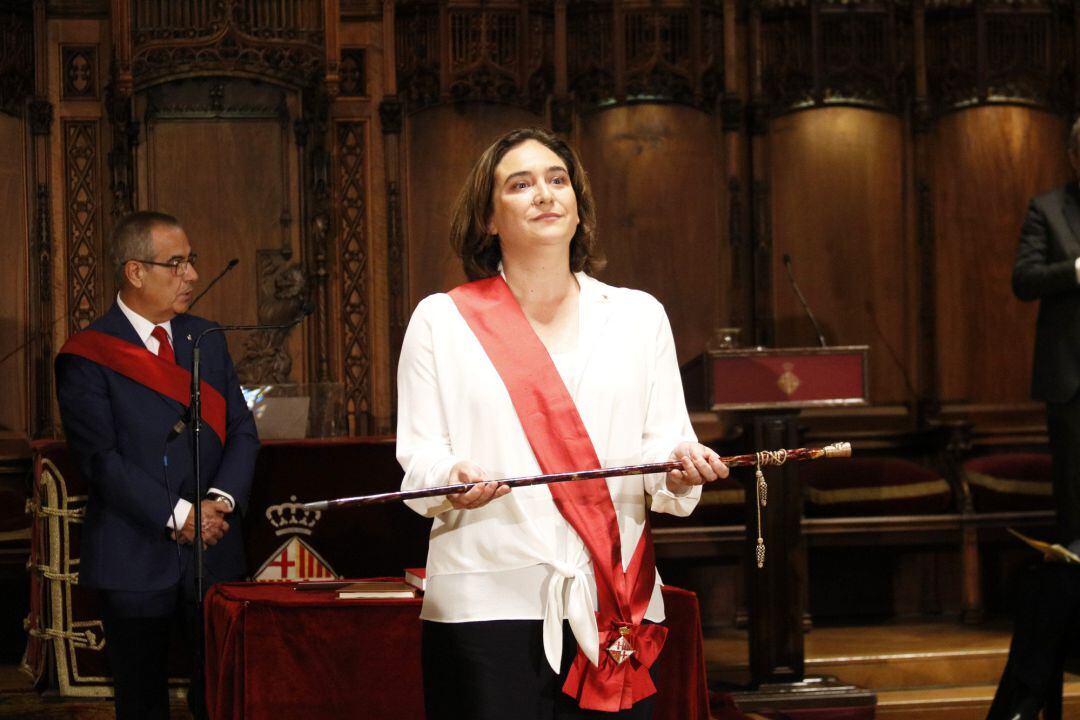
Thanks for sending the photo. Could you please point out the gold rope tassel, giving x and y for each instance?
(761, 489)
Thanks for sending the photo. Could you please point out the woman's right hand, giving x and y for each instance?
(478, 496)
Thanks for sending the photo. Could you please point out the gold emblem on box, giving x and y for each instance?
(788, 382)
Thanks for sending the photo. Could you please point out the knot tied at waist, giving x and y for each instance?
(576, 604)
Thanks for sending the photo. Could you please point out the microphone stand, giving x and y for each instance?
(232, 263)
(196, 431)
(802, 299)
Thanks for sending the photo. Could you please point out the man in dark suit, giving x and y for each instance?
(122, 386)
(1047, 269)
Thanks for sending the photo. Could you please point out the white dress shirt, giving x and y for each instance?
(517, 558)
(144, 329)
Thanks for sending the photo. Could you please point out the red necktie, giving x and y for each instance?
(164, 351)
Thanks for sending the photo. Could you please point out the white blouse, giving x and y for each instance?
(517, 558)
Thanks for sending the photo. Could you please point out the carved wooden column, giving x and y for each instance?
(761, 315)
(924, 228)
(42, 315)
(391, 117)
(562, 112)
(732, 116)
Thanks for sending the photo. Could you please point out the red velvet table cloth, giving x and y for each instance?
(272, 652)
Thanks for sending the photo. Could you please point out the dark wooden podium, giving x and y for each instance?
(768, 387)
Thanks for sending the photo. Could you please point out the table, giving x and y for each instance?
(272, 652)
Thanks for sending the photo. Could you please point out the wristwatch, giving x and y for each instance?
(214, 497)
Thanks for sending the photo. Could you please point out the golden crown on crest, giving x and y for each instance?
(291, 518)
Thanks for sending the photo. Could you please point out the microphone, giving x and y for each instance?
(806, 305)
(178, 428)
(195, 411)
(232, 263)
(39, 335)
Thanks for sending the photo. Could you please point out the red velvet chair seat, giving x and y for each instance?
(855, 487)
(1010, 482)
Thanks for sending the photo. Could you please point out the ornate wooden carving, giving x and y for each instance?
(391, 115)
(41, 310)
(40, 116)
(646, 51)
(352, 81)
(16, 57)
(361, 9)
(999, 52)
(125, 136)
(311, 133)
(471, 50)
(590, 51)
(82, 221)
(417, 54)
(351, 191)
(675, 53)
(818, 52)
(78, 72)
(214, 98)
(280, 39)
(282, 292)
(77, 8)
(395, 245)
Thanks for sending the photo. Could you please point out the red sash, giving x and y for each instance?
(137, 363)
(561, 443)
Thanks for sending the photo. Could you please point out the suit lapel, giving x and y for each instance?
(116, 323)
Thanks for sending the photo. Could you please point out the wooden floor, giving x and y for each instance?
(924, 671)
(931, 671)
(19, 700)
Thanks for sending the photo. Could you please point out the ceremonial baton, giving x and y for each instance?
(767, 457)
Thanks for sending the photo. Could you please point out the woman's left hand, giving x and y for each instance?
(699, 466)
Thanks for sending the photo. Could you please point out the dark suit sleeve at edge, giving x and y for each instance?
(1034, 276)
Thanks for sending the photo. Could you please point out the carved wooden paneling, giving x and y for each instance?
(15, 259)
(817, 52)
(655, 170)
(282, 292)
(836, 211)
(78, 72)
(16, 57)
(281, 39)
(219, 154)
(417, 54)
(987, 163)
(470, 50)
(645, 51)
(82, 221)
(351, 183)
(591, 51)
(1000, 52)
(432, 265)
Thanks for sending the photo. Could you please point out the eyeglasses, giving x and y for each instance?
(179, 266)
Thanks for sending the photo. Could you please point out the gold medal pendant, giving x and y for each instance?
(621, 649)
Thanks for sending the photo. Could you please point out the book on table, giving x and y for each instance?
(417, 577)
(377, 589)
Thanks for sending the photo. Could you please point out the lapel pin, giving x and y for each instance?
(189, 336)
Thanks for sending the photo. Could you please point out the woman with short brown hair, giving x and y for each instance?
(542, 603)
